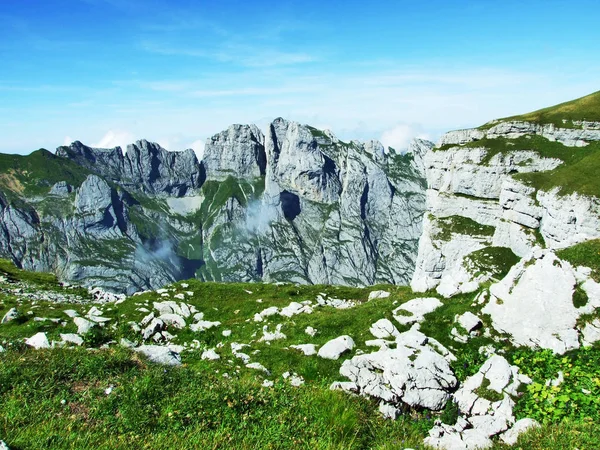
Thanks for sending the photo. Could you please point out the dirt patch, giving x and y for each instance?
(79, 410)
(10, 181)
(81, 386)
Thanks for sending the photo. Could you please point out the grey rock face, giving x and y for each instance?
(295, 204)
(238, 151)
(415, 373)
(462, 182)
(146, 167)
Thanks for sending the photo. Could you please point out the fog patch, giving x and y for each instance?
(184, 205)
(259, 216)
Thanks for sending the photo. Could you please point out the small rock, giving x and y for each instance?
(307, 349)
(384, 329)
(511, 435)
(11, 315)
(173, 319)
(389, 411)
(276, 335)
(415, 310)
(469, 321)
(210, 354)
(258, 366)
(155, 326)
(126, 343)
(378, 294)
(83, 325)
(203, 325)
(38, 341)
(296, 380)
(267, 383)
(72, 338)
(226, 333)
(336, 347)
(310, 331)
(160, 354)
(243, 356)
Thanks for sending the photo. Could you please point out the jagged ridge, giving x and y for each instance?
(292, 204)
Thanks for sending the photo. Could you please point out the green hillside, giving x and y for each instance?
(102, 395)
(35, 173)
(562, 115)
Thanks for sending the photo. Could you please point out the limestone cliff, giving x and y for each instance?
(291, 204)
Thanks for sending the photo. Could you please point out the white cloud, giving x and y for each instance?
(114, 138)
(68, 140)
(400, 136)
(389, 102)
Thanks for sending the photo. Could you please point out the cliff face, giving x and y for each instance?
(292, 204)
(513, 213)
(483, 192)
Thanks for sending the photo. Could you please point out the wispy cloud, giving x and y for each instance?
(243, 55)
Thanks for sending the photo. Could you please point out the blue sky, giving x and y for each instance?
(108, 72)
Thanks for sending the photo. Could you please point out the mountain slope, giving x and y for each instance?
(580, 112)
(292, 204)
(526, 193)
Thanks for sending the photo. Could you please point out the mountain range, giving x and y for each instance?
(291, 204)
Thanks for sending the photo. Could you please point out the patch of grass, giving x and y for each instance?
(484, 391)
(318, 133)
(56, 398)
(10, 271)
(579, 176)
(35, 173)
(496, 261)
(185, 407)
(461, 225)
(562, 115)
(542, 146)
(580, 297)
(577, 398)
(585, 254)
(450, 412)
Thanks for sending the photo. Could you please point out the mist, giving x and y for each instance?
(260, 215)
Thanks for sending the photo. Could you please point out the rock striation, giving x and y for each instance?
(475, 202)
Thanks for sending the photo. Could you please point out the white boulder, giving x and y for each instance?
(378, 294)
(38, 341)
(11, 315)
(210, 354)
(534, 303)
(415, 310)
(414, 373)
(160, 354)
(83, 325)
(172, 319)
(307, 349)
(72, 338)
(336, 347)
(384, 329)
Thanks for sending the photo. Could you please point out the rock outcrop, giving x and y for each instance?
(416, 373)
(475, 202)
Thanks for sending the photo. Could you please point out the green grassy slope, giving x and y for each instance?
(57, 398)
(35, 173)
(585, 108)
